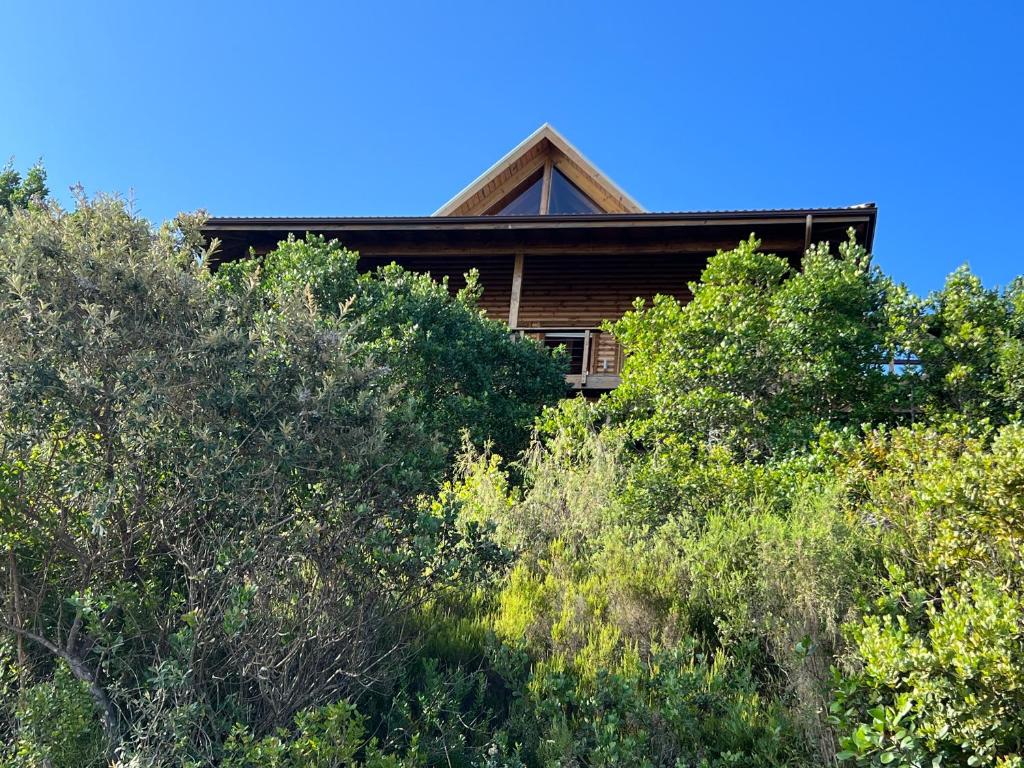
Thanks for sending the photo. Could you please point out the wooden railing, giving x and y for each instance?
(595, 358)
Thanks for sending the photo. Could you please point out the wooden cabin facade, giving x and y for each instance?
(559, 247)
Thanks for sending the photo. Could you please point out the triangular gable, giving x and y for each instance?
(538, 157)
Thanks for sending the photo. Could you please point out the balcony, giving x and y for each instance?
(595, 358)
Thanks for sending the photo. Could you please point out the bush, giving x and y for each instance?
(970, 340)
(254, 518)
(459, 370)
(761, 354)
(211, 505)
(935, 670)
(937, 680)
(55, 724)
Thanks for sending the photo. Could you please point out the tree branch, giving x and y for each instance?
(102, 702)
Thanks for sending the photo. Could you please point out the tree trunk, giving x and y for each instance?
(102, 702)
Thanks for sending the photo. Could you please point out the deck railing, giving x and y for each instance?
(595, 358)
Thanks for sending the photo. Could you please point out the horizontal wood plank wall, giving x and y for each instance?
(606, 356)
(495, 275)
(582, 291)
(565, 291)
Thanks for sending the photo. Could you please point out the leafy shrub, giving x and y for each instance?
(460, 370)
(936, 665)
(328, 737)
(761, 354)
(681, 708)
(17, 191)
(211, 506)
(57, 725)
(939, 681)
(970, 340)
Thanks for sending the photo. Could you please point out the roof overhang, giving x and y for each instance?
(783, 229)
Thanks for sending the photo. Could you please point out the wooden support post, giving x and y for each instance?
(545, 188)
(585, 368)
(807, 232)
(517, 289)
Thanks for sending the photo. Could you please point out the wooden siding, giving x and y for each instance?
(583, 291)
(499, 187)
(565, 291)
(605, 355)
(562, 291)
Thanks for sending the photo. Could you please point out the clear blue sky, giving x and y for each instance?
(374, 108)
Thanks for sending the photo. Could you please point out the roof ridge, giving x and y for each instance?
(555, 138)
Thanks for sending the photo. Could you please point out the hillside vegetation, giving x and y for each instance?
(285, 514)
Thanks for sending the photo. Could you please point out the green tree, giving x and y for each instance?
(761, 354)
(210, 508)
(459, 370)
(16, 191)
(970, 341)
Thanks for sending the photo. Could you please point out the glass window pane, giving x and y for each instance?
(526, 203)
(566, 197)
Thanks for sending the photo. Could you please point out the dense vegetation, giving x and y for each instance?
(287, 514)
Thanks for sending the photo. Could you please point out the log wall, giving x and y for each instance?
(586, 290)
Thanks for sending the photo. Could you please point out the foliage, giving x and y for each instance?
(765, 536)
(940, 681)
(210, 508)
(51, 722)
(761, 354)
(17, 191)
(684, 708)
(290, 514)
(330, 736)
(611, 608)
(970, 340)
(459, 370)
(936, 664)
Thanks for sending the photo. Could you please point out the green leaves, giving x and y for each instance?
(332, 736)
(222, 523)
(457, 369)
(761, 354)
(937, 659)
(17, 191)
(210, 489)
(57, 725)
(969, 340)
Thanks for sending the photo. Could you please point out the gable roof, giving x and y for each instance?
(542, 149)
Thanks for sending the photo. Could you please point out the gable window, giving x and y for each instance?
(524, 202)
(543, 174)
(548, 190)
(566, 197)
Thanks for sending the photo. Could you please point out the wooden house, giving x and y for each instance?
(558, 245)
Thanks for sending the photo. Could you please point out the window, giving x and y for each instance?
(526, 202)
(563, 197)
(566, 197)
